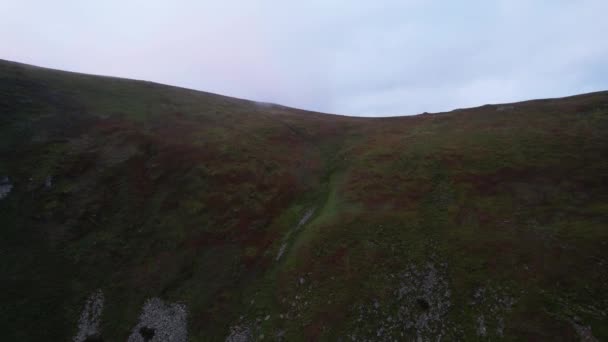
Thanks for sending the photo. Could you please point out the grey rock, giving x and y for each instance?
(307, 215)
(417, 310)
(584, 332)
(90, 317)
(492, 303)
(305, 218)
(161, 322)
(240, 333)
(48, 182)
(5, 187)
(481, 326)
(281, 251)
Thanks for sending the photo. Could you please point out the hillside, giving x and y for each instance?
(134, 210)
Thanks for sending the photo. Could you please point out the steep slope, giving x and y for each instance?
(262, 220)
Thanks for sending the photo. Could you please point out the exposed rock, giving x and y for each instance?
(481, 326)
(491, 304)
(305, 218)
(90, 319)
(249, 327)
(281, 251)
(240, 333)
(48, 182)
(307, 215)
(584, 332)
(161, 322)
(5, 186)
(417, 310)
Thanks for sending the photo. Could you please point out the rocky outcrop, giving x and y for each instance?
(90, 319)
(161, 322)
(417, 310)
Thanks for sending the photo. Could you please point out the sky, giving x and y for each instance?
(365, 58)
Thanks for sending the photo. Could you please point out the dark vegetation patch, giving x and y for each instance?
(94, 338)
(146, 333)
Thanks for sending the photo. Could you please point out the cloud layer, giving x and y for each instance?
(350, 57)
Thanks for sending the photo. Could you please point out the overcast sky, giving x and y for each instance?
(372, 58)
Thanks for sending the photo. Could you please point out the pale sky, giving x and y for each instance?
(370, 58)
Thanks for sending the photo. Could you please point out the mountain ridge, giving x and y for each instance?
(263, 103)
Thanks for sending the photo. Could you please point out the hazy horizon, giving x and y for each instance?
(350, 58)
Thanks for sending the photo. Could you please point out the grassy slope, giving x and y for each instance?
(162, 191)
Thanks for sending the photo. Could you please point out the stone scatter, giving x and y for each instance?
(584, 332)
(417, 309)
(161, 322)
(241, 332)
(491, 304)
(90, 319)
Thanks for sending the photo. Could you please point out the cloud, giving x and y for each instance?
(350, 57)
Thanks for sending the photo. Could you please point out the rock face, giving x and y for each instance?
(90, 319)
(5, 187)
(161, 322)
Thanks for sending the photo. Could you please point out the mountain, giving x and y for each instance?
(136, 211)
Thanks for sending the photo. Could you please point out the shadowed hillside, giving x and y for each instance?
(136, 211)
